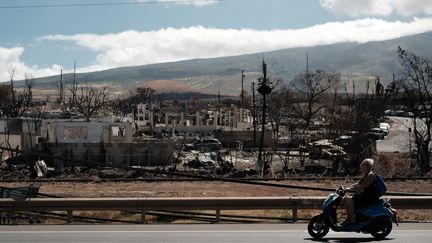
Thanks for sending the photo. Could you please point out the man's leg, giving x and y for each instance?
(349, 206)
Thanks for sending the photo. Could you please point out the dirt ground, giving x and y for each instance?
(204, 189)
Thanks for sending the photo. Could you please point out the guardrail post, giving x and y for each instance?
(218, 216)
(143, 216)
(69, 216)
(4, 218)
(294, 214)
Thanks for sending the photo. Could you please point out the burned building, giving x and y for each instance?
(103, 143)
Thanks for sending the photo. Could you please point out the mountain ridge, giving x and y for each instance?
(211, 75)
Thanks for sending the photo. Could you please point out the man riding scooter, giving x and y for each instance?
(366, 213)
(366, 192)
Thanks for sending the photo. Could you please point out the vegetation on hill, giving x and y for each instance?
(353, 61)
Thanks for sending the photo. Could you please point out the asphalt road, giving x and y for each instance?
(196, 233)
(398, 138)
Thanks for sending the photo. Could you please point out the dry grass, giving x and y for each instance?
(204, 189)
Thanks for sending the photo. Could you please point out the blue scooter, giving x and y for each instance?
(375, 219)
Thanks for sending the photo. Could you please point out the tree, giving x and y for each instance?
(12, 102)
(143, 94)
(254, 114)
(312, 86)
(33, 118)
(122, 107)
(246, 99)
(265, 87)
(277, 108)
(416, 83)
(88, 100)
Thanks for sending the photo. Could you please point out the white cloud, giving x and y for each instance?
(197, 3)
(357, 8)
(130, 48)
(137, 48)
(10, 59)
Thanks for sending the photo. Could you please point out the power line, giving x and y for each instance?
(108, 4)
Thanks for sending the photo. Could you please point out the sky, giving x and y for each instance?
(41, 37)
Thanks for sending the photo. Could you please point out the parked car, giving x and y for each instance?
(206, 144)
(385, 127)
(376, 134)
(409, 114)
(325, 149)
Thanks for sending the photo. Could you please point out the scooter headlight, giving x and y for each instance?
(395, 212)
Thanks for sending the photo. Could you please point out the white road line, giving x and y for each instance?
(151, 231)
(174, 231)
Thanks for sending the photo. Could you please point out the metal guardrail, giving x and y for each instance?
(227, 203)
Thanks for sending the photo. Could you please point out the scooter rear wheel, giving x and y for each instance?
(317, 227)
(383, 226)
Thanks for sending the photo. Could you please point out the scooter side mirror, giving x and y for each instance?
(341, 191)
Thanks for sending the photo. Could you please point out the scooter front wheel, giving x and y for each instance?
(317, 227)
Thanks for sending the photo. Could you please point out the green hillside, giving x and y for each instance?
(354, 61)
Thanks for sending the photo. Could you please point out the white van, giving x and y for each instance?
(383, 126)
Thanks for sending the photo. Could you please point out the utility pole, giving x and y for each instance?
(354, 94)
(264, 89)
(242, 90)
(254, 114)
(307, 69)
(61, 89)
(219, 119)
(74, 85)
(219, 101)
(393, 94)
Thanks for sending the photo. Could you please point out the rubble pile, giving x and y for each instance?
(24, 171)
(319, 158)
(14, 173)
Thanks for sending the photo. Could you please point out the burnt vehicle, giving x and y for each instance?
(376, 134)
(204, 145)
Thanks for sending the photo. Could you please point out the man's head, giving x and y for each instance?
(366, 165)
